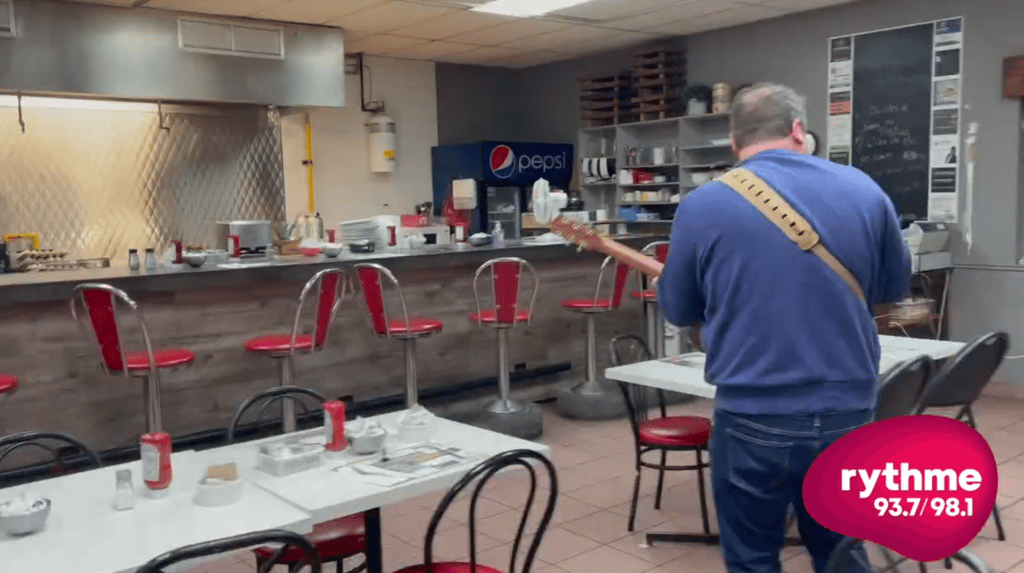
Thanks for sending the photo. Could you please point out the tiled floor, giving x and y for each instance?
(595, 475)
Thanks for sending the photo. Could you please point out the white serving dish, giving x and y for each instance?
(24, 523)
(217, 493)
(284, 466)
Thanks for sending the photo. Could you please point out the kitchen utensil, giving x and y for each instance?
(361, 246)
(479, 239)
(332, 250)
(194, 260)
(23, 521)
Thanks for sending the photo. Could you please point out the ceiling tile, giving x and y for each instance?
(607, 10)
(680, 11)
(313, 11)
(481, 55)
(389, 16)
(606, 40)
(431, 50)
(718, 20)
(451, 25)
(380, 44)
(509, 32)
(213, 7)
(527, 59)
(798, 5)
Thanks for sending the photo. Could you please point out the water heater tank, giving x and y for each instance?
(381, 143)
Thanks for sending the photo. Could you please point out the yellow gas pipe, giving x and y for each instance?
(309, 161)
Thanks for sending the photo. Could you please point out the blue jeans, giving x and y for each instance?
(758, 464)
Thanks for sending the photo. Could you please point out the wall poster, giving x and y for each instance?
(894, 100)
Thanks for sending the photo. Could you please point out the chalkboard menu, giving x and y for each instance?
(894, 98)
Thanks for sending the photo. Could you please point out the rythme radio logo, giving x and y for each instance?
(504, 162)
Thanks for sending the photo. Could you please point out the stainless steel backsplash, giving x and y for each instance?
(99, 182)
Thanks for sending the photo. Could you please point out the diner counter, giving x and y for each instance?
(213, 311)
(57, 285)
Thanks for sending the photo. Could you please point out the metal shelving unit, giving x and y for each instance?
(695, 140)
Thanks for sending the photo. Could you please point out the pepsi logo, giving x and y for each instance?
(503, 161)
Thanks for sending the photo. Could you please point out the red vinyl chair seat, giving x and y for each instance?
(450, 567)
(274, 343)
(587, 304)
(333, 539)
(646, 294)
(164, 358)
(491, 317)
(692, 431)
(8, 384)
(416, 326)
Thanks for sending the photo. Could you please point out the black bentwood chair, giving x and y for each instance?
(335, 540)
(287, 540)
(661, 435)
(66, 454)
(900, 389)
(481, 474)
(300, 398)
(960, 381)
(845, 559)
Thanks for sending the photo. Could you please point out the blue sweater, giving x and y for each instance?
(784, 334)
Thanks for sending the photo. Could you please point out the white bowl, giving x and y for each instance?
(332, 250)
(218, 493)
(368, 443)
(24, 523)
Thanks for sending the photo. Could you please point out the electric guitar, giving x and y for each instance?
(586, 237)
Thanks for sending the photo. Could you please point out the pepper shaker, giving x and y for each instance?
(133, 259)
(124, 495)
(150, 260)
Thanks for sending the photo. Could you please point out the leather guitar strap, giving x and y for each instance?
(775, 209)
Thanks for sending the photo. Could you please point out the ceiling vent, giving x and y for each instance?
(7, 19)
(232, 39)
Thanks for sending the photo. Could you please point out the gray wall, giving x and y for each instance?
(477, 103)
(988, 287)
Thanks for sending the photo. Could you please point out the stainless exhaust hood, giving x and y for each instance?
(154, 55)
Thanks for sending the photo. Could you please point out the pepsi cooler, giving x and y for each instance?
(505, 173)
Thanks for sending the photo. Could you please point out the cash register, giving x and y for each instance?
(929, 246)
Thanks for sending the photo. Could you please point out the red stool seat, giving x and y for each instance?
(587, 304)
(8, 384)
(450, 567)
(334, 539)
(491, 317)
(676, 431)
(646, 295)
(415, 326)
(164, 358)
(273, 343)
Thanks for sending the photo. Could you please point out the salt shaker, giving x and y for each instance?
(133, 259)
(150, 260)
(124, 496)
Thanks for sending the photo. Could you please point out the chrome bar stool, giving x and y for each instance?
(590, 399)
(408, 330)
(99, 302)
(506, 280)
(330, 285)
(654, 322)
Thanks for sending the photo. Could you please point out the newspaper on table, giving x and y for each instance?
(693, 360)
(409, 463)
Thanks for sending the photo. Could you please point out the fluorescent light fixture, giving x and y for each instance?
(526, 8)
(83, 104)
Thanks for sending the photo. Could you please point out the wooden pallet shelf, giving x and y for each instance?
(606, 100)
(659, 76)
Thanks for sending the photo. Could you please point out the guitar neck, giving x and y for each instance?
(643, 263)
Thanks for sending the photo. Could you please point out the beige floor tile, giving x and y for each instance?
(559, 545)
(603, 527)
(658, 554)
(605, 558)
(1000, 556)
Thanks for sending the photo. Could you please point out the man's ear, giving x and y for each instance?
(799, 134)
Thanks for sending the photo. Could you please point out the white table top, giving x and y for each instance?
(689, 378)
(84, 534)
(327, 494)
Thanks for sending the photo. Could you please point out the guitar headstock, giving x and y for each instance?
(577, 232)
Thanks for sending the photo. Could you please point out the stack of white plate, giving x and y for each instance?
(360, 230)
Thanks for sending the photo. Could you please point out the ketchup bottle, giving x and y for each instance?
(334, 424)
(156, 462)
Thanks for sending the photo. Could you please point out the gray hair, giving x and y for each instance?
(764, 111)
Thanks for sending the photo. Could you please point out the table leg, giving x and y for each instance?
(374, 551)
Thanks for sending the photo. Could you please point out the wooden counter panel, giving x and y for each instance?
(64, 389)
